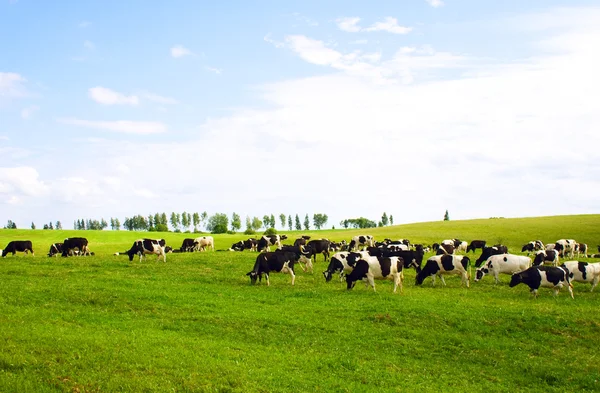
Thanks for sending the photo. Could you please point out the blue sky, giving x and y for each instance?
(111, 109)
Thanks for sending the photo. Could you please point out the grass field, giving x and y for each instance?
(103, 323)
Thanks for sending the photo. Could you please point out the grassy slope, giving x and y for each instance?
(195, 324)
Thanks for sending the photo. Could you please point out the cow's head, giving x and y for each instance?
(350, 283)
(482, 271)
(253, 276)
(328, 275)
(516, 279)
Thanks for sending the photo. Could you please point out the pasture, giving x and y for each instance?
(103, 323)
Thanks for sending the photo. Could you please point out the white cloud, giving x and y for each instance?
(12, 85)
(435, 3)
(105, 96)
(217, 71)
(21, 180)
(389, 24)
(180, 51)
(124, 126)
(159, 99)
(26, 113)
(276, 44)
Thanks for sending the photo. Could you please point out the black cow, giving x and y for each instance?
(543, 276)
(55, 249)
(320, 246)
(187, 245)
(147, 246)
(475, 244)
(267, 262)
(301, 241)
(487, 252)
(75, 246)
(18, 245)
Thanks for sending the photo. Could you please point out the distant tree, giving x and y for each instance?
(320, 220)
(297, 223)
(384, 219)
(273, 223)
(163, 219)
(282, 220)
(184, 220)
(74, 225)
(50, 225)
(45, 226)
(58, 225)
(290, 222)
(446, 216)
(151, 224)
(236, 222)
(204, 217)
(256, 223)
(266, 221)
(173, 220)
(306, 223)
(218, 223)
(156, 220)
(360, 222)
(196, 221)
(248, 223)
(391, 220)
(117, 224)
(344, 223)
(32, 225)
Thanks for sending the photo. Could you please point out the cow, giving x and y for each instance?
(438, 265)
(503, 263)
(55, 249)
(583, 272)
(242, 245)
(335, 246)
(368, 269)
(534, 245)
(581, 248)
(203, 243)
(12, 247)
(445, 249)
(320, 246)
(265, 242)
(487, 252)
(301, 241)
(187, 245)
(435, 247)
(550, 246)
(142, 247)
(475, 244)
(267, 262)
(363, 241)
(462, 247)
(565, 246)
(339, 264)
(542, 256)
(75, 246)
(304, 255)
(543, 276)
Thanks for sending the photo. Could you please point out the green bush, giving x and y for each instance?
(249, 231)
(271, 231)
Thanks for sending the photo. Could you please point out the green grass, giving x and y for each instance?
(196, 324)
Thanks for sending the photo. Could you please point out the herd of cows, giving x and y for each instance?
(364, 259)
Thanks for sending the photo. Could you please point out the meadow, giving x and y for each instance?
(194, 323)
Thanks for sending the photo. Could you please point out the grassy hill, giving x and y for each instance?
(103, 323)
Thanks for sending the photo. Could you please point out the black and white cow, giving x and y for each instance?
(544, 256)
(187, 245)
(304, 255)
(581, 249)
(487, 252)
(363, 241)
(475, 244)
(265, 242)
(368, 269)
(445, 249)
(503, 263)
(267, 262)
(565, 247)
(534, 245)
(438, 265)
(75, 246)
(18, 246)
(55, 249)
(141, 247)
(242, 245)
(543, 276)
(204, 243)
(301, 241)
(583, 272)
(320, 246)
(339, 264)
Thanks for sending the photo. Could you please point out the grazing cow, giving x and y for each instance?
(168, 249)
(265, 242)
(363, 241)
(503, 263)
(368, 269)
(462, 247)
(18, 245)
(542, 256)
(335, 246)
(581, 249)
(301, 241)
(534, 245)
(487, 252)
(55, 249)
(550, 246)
(267, 262)
(203, 243)
(187, 245)
(242, 245)
(543, 276)
(565, 246)
(339, 264)
(445, 249)
(142, 247)
(475, 244)
(320, 246)
(583, 272)
(75, 246)
(304, 255)
(435, 247)
(444, 264)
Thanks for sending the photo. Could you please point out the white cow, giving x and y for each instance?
(503, 263)
(583, 272)
(202, 243)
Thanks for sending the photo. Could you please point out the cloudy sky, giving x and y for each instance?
(349, 108)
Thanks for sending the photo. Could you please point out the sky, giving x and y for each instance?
(347, 108)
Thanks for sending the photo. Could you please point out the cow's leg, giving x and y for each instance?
(496, 277)
(293, 276)
(595, 282)
(267, 279)
(442, 280)
(465, 279)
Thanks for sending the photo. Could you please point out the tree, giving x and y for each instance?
(360, 222)
(282, 219)
(236, 222)
(45, 226)
(196, 221)
(273, 223)
(32, 225)
(163, 219)
(266, 221)
(298, 226)
(306, 223)
(218, 223)
(384, 219)
(50, 225)
(256, 223)
(103, 224)
(117, 224)
(184, 220)
(320, 220)
(391, 220)
(204, 217)
(446, 216)
(344, 223)
(174, 221)
(290, 222)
